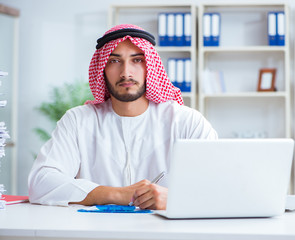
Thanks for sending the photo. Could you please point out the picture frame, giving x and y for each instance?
(266, 82)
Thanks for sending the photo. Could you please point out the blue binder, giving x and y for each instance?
(280, 28)
(174, 29)
(171, 29)
(180, 73)
(272, 28)
(162, 29)
(207, 29)
(187, 29)
(215, 29)
(172, 70)
(187, 75)
(179, 29)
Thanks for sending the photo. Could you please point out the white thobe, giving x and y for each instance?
(93, 146)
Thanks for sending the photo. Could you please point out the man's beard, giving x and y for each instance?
(126, 97)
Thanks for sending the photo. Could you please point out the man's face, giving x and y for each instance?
(125, 72)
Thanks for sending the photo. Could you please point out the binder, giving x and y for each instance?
(215, 29)
(187, 75)
(272, 19)
(174, 29)
(207, 29)
(280, 28)
(187, 29)
(172, 70)
(162, 29)
(171, 29)
(179, 29)
(14, 199)
(180, 74)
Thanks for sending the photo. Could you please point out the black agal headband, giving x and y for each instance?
(124, 32)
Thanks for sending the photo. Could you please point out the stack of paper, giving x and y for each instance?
(3, 136)
(290, 202)
(14, 199)
(3, 73)
(3, 132)
(2, 202)
(213, 82)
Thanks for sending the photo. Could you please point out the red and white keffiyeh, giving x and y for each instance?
(158, 87)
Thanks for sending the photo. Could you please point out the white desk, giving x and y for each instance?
(26, 221)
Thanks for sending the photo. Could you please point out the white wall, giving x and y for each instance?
(57, 40)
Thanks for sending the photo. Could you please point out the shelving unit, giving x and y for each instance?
(9, 25)
(146, 16)
(241, 111)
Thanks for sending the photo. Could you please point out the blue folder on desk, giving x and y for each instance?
(114, 209)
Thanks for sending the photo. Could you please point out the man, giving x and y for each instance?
(106, 151)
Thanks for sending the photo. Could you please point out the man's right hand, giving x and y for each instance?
(112, 195)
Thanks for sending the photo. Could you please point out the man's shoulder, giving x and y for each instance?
(87, 109)
(173, 106)
(172, 111)
(81, 109)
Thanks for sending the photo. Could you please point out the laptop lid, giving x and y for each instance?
(229, 178)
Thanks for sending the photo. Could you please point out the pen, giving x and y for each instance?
(155, 180)
(159, 177)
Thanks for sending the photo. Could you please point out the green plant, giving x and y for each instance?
(62, 98)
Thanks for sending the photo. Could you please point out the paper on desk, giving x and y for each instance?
(290, 203)
(3, 136)
(114, 209)
(3, 103)
(3, 73)
(2, 190)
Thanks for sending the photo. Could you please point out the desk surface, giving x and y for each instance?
(26, 221)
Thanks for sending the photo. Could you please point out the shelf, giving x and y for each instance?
(244, 49)
(174, 49)
(248, 4)
(186, 94)
(152, 5)
(247, 95)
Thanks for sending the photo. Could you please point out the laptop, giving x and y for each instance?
(228, 178)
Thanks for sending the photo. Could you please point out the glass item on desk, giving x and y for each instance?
(114, 209)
